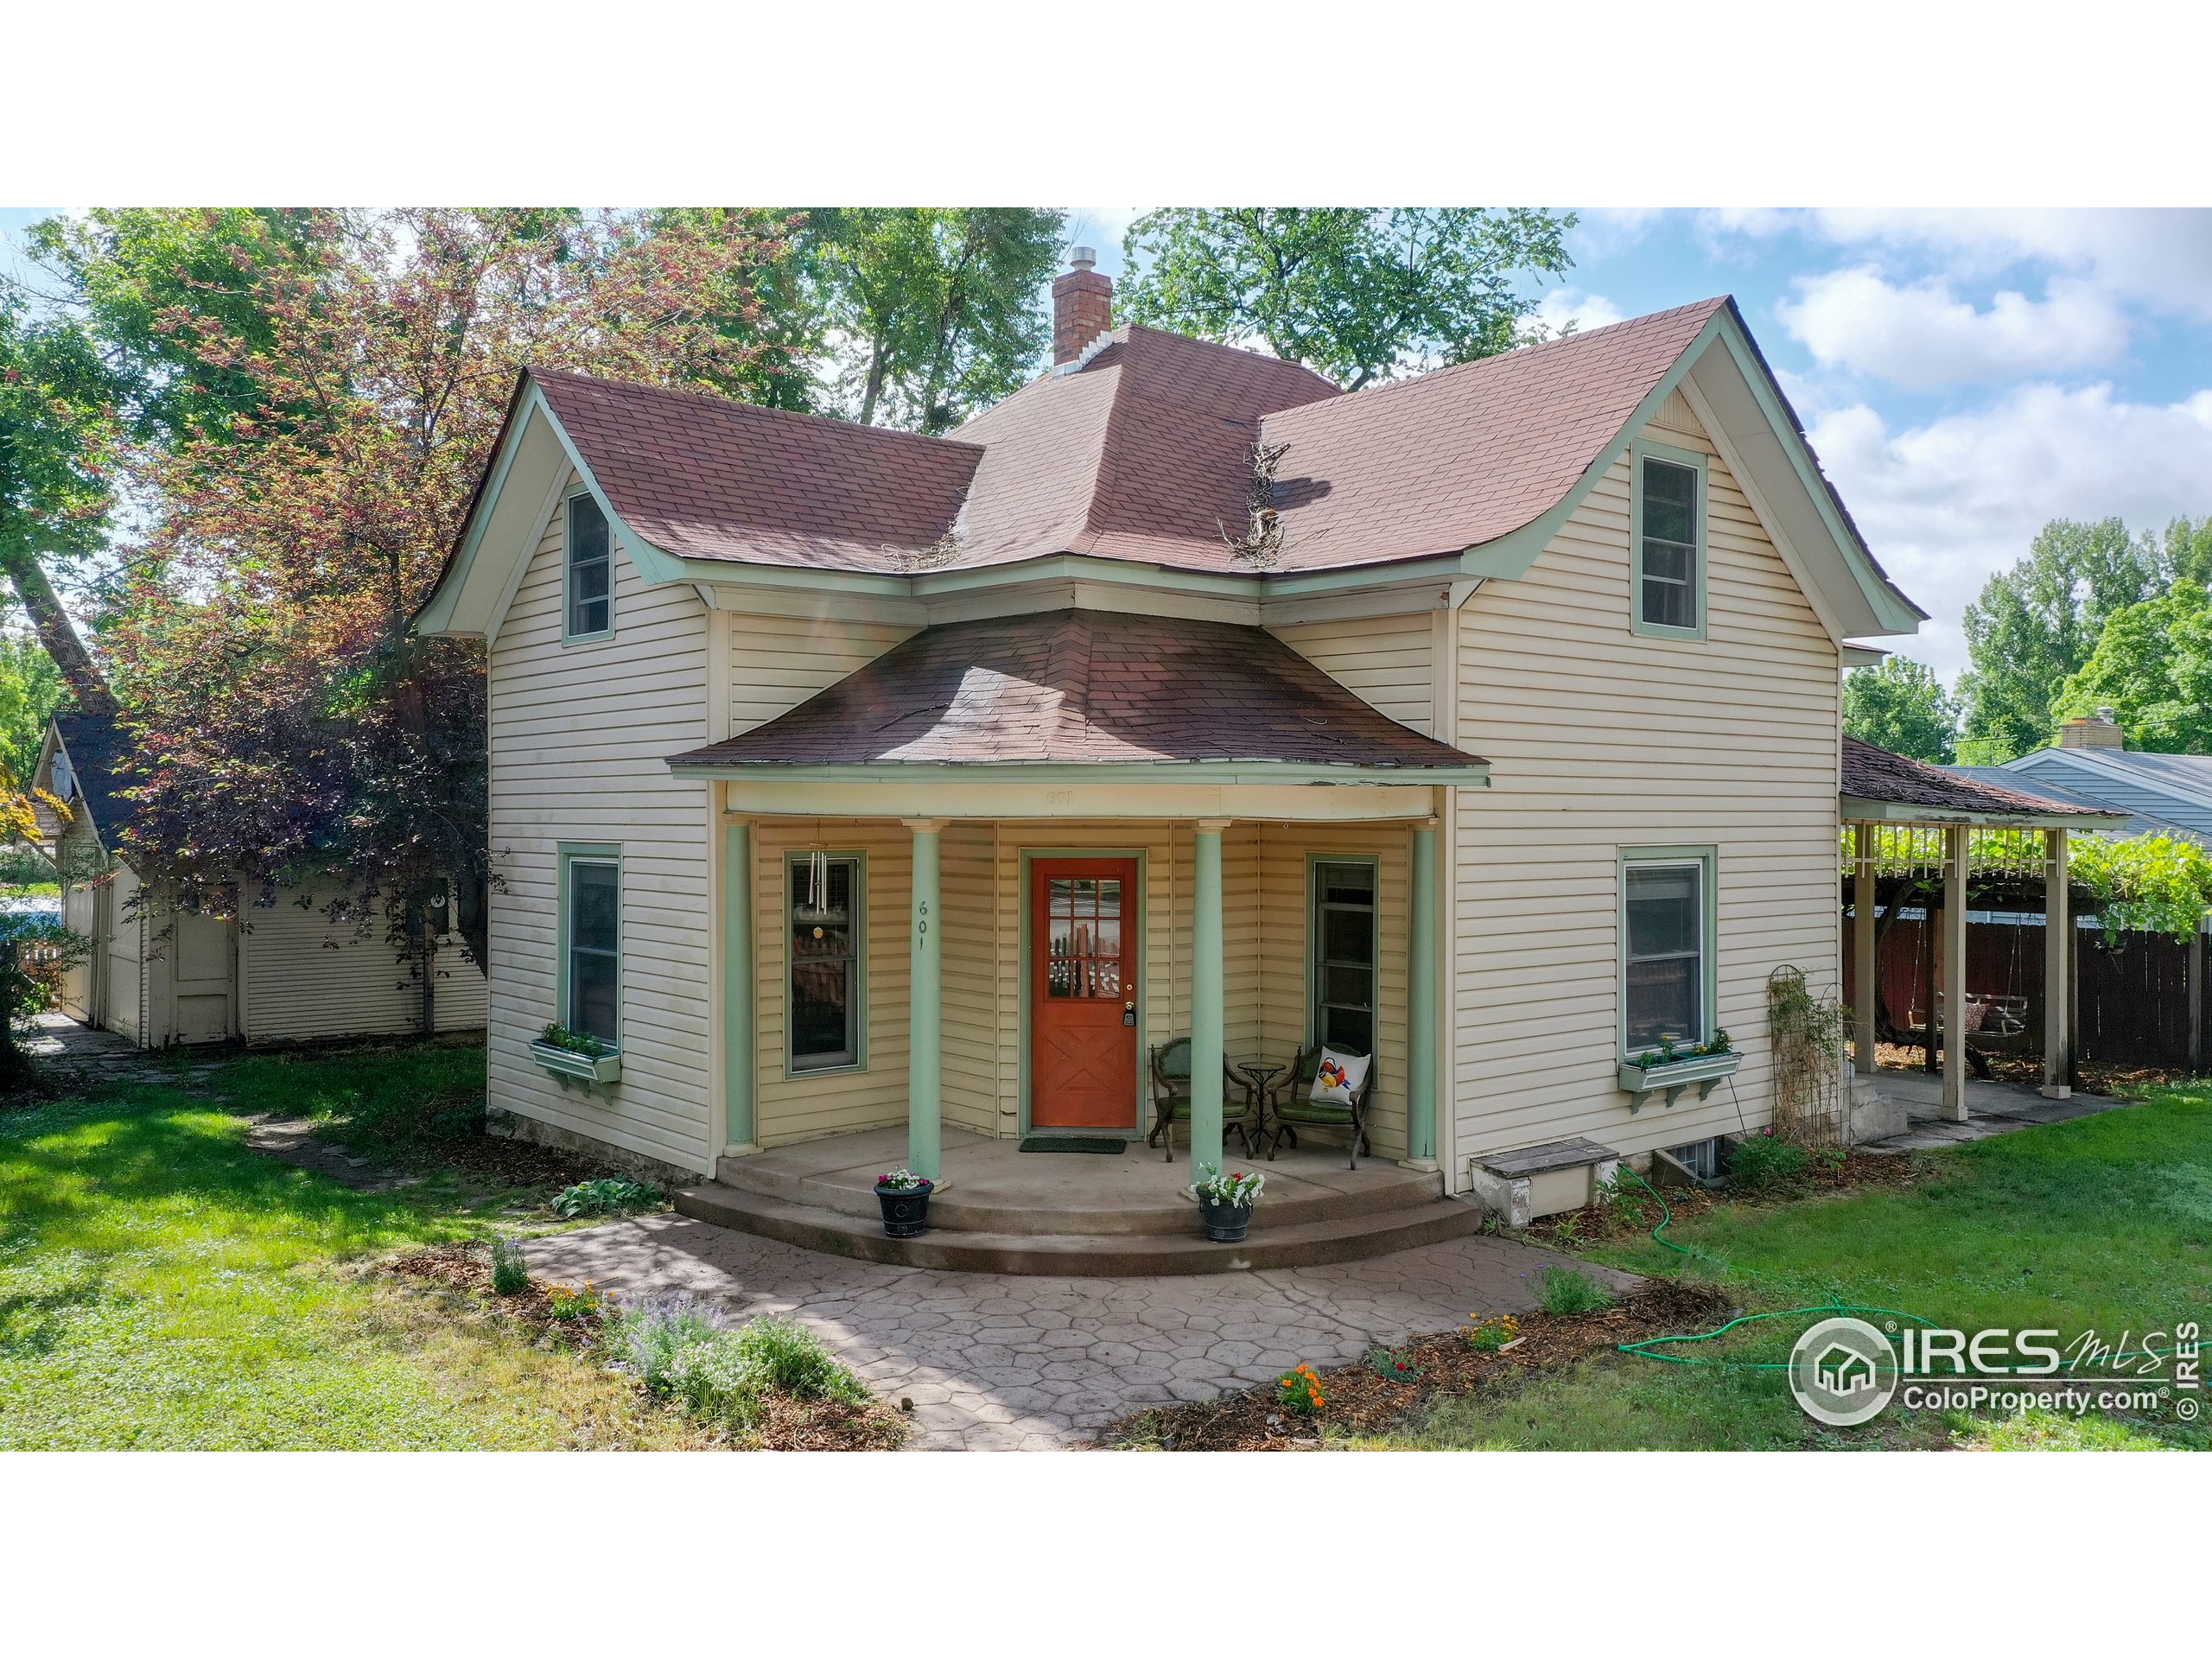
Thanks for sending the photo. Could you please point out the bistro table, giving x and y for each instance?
(1261, 1078)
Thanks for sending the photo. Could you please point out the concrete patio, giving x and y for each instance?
(1992, 1107)
(995, 1362)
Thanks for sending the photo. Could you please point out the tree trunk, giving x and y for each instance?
(59, 635)
(879, 367)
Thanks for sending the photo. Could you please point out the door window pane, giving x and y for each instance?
(1343, 957)
(594, 942)
(1083, 937)
(1665, 978)
(825, 934)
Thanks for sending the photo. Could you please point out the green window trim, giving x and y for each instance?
(1316, 966)
(1640, 452)
(571, 853)
(596, 573)
(1707, 858)
(856, 983)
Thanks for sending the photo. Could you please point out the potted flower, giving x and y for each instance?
(905, 1197)
(1672, 1067)
(1225, 1204)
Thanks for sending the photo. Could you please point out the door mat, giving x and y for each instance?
(1110, 1144)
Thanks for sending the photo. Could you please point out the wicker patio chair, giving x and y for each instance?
(1290, 1103)
(1171, 1099)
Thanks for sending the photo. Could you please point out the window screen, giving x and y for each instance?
(595, 945)
(1669, 532)
(591, 571)
(1666, 955)
(1343, 957)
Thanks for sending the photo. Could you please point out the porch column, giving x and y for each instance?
(1420, 1005)
(737, 946)
(2058, 970)
(925, 1011)
(1955, 973)
(1207, 1016)
(1866, 970)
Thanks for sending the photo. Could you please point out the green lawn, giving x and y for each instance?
(2103, 1223)
(163, 1285)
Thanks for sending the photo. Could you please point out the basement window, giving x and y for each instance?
(591, 572)
(1700, 1158)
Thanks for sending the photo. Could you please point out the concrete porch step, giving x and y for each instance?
(1055, 1194)
(1180, 1250)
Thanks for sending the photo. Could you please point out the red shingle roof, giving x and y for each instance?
(703, 478)
(1088, 687)
(1873, 774)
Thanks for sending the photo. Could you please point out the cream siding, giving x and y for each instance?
(1601, 739)
(778, 661)
(303, 977)
(580, 737)
(1390, 661)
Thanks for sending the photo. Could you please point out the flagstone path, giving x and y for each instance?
(994, 1362)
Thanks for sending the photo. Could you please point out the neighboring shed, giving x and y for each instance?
(284, 973)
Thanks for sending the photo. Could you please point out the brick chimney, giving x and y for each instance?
(2101, 733)
(1082, 306)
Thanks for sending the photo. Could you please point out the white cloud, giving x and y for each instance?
(1562, 306)
(2159, 255)
(1924, 335)
(1946, 505)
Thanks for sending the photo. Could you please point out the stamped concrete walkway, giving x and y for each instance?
(994, 1362)
(1992, 1107)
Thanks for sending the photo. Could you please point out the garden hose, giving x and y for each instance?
(1648, 1349)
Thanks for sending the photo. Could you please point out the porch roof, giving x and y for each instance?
(1878, 786)
(1111, 694)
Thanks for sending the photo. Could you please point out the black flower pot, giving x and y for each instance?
(1225, 1224)
(905, 1210)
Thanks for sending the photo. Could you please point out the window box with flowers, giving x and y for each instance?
(1669, 1069)
(576, 1054)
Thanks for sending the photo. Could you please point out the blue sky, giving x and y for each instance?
(1965, 375)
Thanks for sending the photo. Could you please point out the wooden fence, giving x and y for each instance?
(2131, 1001)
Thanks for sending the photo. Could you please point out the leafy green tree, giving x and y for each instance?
(30, 690)
(2038, 622)
(2152, 668)
(56, 438)
(927, 314)
(2188, 549)
(1899, 705)
(1357, 294)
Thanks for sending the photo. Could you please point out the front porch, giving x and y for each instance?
(1001, 1210)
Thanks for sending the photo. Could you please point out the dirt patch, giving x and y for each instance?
(1635, 1211)
(2098, 1077)
(559, 1316)
(1359, 1400)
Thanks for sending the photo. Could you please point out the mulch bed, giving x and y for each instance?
(1637, 1212)
(490, 1160)
(1359, 1400)
(786, 1424)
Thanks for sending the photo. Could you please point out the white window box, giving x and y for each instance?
(567, 1063)
(1672, 1077)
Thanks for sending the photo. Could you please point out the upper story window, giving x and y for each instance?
(1666, 955)
(591, 571)
(826, 894)
(1344, 955)
(1670, 545)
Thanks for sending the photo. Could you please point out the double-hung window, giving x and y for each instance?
(591, 967)
(1667, 915)
(591, 571)
(1669, 563)
(1342, 975)
(828, 894)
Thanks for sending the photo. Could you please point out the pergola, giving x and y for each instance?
(1883, 796)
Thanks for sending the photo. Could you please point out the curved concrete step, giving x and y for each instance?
(1296, 1244)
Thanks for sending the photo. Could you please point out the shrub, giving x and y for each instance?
(1570, 1290)
(683, 1350)
(1764, 1162)
(605, 1195)
(510, 1272)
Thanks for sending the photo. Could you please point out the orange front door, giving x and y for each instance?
(1084, 954)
